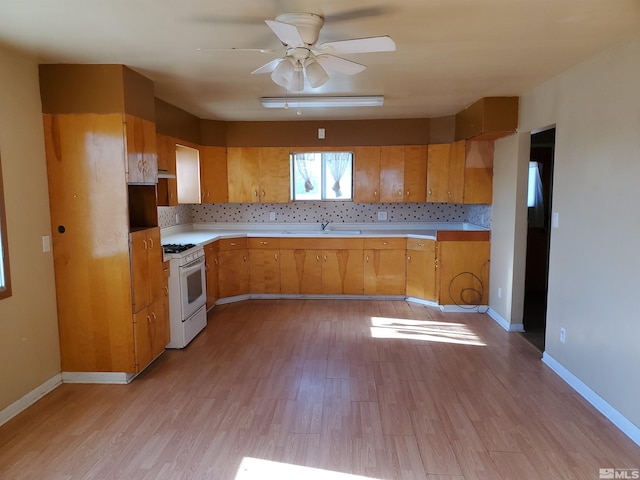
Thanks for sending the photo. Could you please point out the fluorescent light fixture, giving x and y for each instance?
(319, 102)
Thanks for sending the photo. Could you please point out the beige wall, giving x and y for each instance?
(29, 351)
(594, 259)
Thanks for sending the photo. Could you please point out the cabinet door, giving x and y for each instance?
(478, 172)
(384, 272)
(143, 339)
(392, 173)
(342, 272)
(154, 264)
(421, 269)
(233, 273)
(140, 140)
(464, 272)
(456, 172)
(213, 175)
(139, 270)
(300, 271)
(366, 174)
(211, 263)
(167, 187)
(275, 171)
(264, 271)
(438, 172)
(415, 173)
(243, 166)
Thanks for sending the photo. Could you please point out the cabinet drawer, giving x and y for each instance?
(264, 243)
(384, 243)
(211, 248)
(227, 244)
(321, 243)
(463, 236)
(418, 244)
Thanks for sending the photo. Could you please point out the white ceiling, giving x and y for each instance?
(449, 53)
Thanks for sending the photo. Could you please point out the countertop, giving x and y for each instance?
(203, 233)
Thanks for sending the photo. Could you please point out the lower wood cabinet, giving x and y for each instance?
(342, 272)
(211, 265)
(421, 269)
(384, 266)
(150, 332)
(300, 271)
(264, 266)
(233, 267)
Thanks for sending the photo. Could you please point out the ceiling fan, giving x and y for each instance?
(305, 58)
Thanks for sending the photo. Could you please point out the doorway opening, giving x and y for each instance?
(538, 235)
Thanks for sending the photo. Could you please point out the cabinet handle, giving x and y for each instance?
(408, 193)
(151, 243)
(263, 194)
(449, 193)
(429, 192)
(216, 261)
(367, 258)
(255, 193)
(421, 244)
(375, 193)
(233, 244)
(384, 243)
(153, 315)
(325, 258)
(148, 319)
(244, 258)
(166, 290)
(317, 258)
(400, 192)
(409, 258)
(145, 244)
(275, 257)
(264, 243)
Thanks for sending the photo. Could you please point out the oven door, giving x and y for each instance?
(193, 290)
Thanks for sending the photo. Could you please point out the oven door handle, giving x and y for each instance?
(192, 265)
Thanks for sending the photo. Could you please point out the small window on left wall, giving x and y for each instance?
(5, 278)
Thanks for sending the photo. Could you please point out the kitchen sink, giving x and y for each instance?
(323, 232)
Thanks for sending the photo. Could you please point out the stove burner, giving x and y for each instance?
(177, 247)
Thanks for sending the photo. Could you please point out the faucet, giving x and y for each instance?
(324, 225)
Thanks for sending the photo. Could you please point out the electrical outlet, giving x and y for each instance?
(499, 292)
(563, 335)
(177, 218)
(46, 243)
(272, 216)
(382, 216)
(555, 219)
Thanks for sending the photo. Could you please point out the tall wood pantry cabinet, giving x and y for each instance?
(102, 173)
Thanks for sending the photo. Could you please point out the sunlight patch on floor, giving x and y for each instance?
(259, 469)
(424, 330)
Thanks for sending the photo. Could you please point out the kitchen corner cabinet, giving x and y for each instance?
(478, 172)
(384, 266)
(211, 265)
(87, 160)
(445, 172)
(463, 263)
(258, 174)
(141, 153)
(422, 269)
(233, 267)
(167, 187)
(264, 265)
(213, 175)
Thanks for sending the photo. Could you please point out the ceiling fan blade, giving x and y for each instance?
(340, 65)
(359, 13)
(359, 45)
(267, 67)
(234, 49)
(287, 33)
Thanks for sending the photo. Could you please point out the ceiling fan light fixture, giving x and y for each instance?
(316, 74)
(320, 102)
(284, 73)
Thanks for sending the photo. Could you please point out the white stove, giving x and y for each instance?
(187, 293)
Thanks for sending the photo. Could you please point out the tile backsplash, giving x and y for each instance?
(315, 212)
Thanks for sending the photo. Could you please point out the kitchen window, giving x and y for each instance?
(322, 176)
(5, 280)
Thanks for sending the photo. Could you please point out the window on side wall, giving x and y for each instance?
(5, 279)
(322, 176)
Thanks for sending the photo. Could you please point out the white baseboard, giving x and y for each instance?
(421, 301)
(460, 309)
(600, 404)
(116, 378)
(500, 320)
(29, 399)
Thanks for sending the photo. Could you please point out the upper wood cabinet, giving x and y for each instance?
(395, 173)
(167, 187)
(213, 175)
(478, 172)
(258, 174)
(445, 172)
(366, 174)
(141, 153)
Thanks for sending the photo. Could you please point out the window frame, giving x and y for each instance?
(5, 291)
(323, 177)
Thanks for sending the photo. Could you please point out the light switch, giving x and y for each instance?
(272, 216)
(321, 133)
(46, 243)
(382, 215)
(555, 219)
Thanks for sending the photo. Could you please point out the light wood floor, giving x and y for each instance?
(311, 383)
